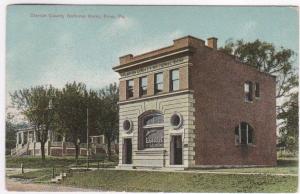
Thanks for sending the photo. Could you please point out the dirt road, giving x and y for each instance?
(12, 185)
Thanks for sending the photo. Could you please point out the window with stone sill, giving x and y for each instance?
(158, 83)
(129, 88)
(248, 91)
(174, 80)
(143, 86)
(244, 134)
(257, 90)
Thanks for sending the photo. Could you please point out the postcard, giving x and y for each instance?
(151, 98)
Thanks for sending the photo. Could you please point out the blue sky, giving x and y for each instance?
(48, 50)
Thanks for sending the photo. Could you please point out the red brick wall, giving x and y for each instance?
(183, 78)
(136, 88)
(150, 86)
(100, 150)
(55, 151)
(218, 84)
(70, 152)
(122, 90)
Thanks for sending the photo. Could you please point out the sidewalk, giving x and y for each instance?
(192, 171)
(12, 171)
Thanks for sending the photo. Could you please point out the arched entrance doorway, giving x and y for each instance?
(151, 130)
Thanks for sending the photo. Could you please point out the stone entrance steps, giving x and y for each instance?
(59, 178)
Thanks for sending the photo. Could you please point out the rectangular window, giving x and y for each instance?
(158, 83)
(174, 80)
(143, 86)
(244, 134)
(129, 89)
(257, 93)
(248, 91)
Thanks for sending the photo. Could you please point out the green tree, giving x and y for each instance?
(71, 107)
(10, 133)
(108, 119)
(35, 104)
(289, 127)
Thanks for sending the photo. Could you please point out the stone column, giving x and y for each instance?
(22, 137)
(34, 136)
(27, 136)
(49, 148)
(49, 142)
(17, 142)
(63, 148)
(49, 135)
(33, 148)
(54, 137)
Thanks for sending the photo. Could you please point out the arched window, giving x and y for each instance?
(151, 130)
(244, 134)
(153, 119)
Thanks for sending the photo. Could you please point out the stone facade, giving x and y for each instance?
(160, 157)
(209, 104)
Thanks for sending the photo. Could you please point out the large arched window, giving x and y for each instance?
(244, 134)
(151, 130)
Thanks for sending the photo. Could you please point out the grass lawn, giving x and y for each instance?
(117, 180)
(139, 181)
(284, 166)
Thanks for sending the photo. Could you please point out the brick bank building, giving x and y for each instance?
(189, 105)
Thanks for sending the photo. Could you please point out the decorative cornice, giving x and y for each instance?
(180, 51)
(156, 96)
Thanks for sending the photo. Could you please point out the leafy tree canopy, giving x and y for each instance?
(266, 58)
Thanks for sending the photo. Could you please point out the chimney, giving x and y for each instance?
(125, 59)
(212, 43)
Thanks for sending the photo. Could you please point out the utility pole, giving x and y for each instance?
(87, 134)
